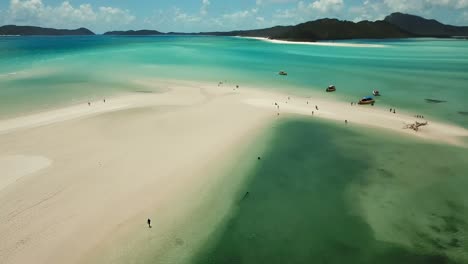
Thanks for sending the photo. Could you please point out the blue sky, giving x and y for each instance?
(207, 15)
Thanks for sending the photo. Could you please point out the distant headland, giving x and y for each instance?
(134, 33)
(396, 25)
(12, 30)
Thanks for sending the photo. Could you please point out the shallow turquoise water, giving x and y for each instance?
(321, 193)
(315, 194)
(38, 72)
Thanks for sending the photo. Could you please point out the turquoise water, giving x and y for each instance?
(39, 72)
(323, 193)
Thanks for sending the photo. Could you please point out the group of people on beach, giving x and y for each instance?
(307, 102)
(221, 83)
(89, 103)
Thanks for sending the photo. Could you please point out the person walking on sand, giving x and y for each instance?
(316, 107)
(394, 111)
(149, 222)
(346, 121)
(89, 103)
(391, 110)
(312, 112)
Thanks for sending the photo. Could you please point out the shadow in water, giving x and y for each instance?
(295, 209)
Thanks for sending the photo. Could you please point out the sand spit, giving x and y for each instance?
(326, 44)
(117, 162)
(364, 115)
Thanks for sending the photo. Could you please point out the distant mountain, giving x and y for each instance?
(425, 27)
(266, 32)
(325, 29)
(134, 33)
(396, 25)
(39, 31)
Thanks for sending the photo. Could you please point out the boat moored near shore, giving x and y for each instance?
(331, 88)
(376, 93)
(367, 100)
(283, 73)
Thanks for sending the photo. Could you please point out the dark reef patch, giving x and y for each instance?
(435, 101)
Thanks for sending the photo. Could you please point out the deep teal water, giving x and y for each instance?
(39, 72)
(302, 204)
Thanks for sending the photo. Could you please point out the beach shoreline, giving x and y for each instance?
(323, 43)
(332, 109)
(113, 164)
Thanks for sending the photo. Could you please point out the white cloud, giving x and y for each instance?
(325, 6)
(424, 5)
(465, 17)
(65, 15)
(2, 17)
(368, 10)
(404, 5)
(462, 4)
(305, 11)
(285, 14)
(182, 17)
(378, 9)
(204, 7)
(243, 19)
(237, 15)
(264, 2)
(176, 19)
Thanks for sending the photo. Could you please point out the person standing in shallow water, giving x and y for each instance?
(149, 222)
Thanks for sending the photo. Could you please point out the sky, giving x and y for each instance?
(213, 15)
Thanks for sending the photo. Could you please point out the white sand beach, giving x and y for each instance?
(324, 43)
(78, 179)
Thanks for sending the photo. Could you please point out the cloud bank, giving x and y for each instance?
(212, 15)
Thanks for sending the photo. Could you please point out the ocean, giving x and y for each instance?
(46, 72)
(322, 193)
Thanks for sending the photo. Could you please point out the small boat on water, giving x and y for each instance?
(331, 88)
(367, 100)
(376, 93)
(283, 73)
